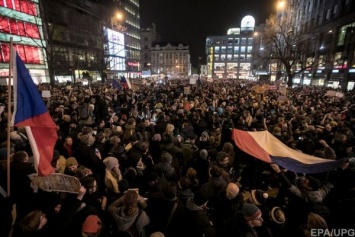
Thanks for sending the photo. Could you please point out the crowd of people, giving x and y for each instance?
(159, 161)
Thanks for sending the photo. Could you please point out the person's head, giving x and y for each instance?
(72, 164)
(91, 226)
(170, 191)
(204, 154)
(130, 202)
(89, 183)
(308, 182)
(252, 214)
(111, 163)
(33, 222)
(232, 190)
(157, 234)
(20, 156)
(191, 173)
(223, 158)
(69, 141)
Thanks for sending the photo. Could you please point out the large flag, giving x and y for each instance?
(266, 147)
(31, 112)
(125, 82)
(116, 85)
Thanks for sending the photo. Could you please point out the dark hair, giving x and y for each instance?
(215, 171)
(88, 182)
(19, 156)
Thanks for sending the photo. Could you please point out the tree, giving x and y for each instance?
(288, 42)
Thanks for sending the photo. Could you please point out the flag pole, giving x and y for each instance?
(11, 64)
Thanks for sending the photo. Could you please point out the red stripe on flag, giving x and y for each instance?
(44, 133)
(249, 145)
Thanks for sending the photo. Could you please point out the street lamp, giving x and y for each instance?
(116, 21)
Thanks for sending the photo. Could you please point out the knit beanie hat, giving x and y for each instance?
(258, 197)
(250, 211)
(110, 162)
(71, 161)
(91, 224)
(277, 215)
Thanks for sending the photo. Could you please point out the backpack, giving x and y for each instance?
(84, 112)
(132, 230)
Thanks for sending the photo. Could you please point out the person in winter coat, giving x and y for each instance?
(128, 214)
(197, 220)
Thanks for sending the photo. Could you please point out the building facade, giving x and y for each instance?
(64, 41)
(23, 24)
(328, 29)
(148, 37)
(170, 59)
(231, 55)
(132, 37)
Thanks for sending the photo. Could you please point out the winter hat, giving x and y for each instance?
(91, 224)
(258, 197)
(277, 215)
(110, 162)
(71, 161)
(250, 211)
(204, 154)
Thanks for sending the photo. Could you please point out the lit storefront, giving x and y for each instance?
(21, 22)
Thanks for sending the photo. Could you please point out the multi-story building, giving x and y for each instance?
(328, 29)
(170, 59)
(132, 37)
(230, 56)
(20, 21)
(148, 37)
(70, 40)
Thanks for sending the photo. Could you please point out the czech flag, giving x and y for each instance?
(266, 147)
(30, 112)
(125, 82)
(116, 85)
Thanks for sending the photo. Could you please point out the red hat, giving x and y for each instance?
(91, 224)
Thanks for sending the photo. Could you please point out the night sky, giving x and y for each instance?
(191, 21)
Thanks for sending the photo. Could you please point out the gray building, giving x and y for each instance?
(148, 37)
(170, 59)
